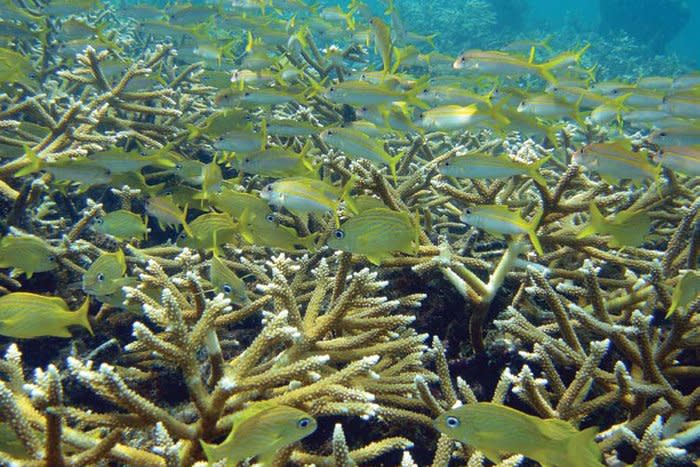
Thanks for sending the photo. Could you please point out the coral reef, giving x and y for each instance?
(146, 120)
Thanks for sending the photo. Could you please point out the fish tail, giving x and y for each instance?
(586, 232)
(582, 450)
(213, 452)
(82, 318)
(534, 171)
(393, 162)
(545, 43)
(243, 229)
(309, 242)
(35, 163)
(431, 39)
(545, 72)
(532, 232)
(186, 226)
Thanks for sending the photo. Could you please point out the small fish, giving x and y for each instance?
(261, 430)
(208, 231)
(277, 161)
(502, 64)
(26, 315)
(240, 141)
(683, 159)
(27, 254)
(290, 128)
(499, 220)
(616, 160)
(167, 212)
(382, 41)
(676, 135)
(303, 195)
(264, 229)
(118, 161)
(356, 145)
(687, 290)
(225, 281)
(549, 107)
(457, 117)
(496, 430)
(104, 274)
(627, 228)
(122, 225)
(686, 105)
(487, 166)
(234, 203)
(377, 234)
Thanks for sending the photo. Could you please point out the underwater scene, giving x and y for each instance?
(362, 233)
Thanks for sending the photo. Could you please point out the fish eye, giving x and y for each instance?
(142, 153)
(52, 258)
(270, 218)
(462, 59)
(246, 160)
(615, 91)
(221, 138)
(663, 134)
(247, 94)
(108, 172)
(446, 163)
(330, 133)
(339, 234)
(178, 166)
(452, 422)
(467, 211)
(99, 221)
(331, 89)
(304, 422)
(100, 277)
(227, 289)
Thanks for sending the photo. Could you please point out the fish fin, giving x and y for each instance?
(243, 229)
(83, 319)
(393, 162)
(532, 232)
(213, 452)
(583, 448)
(492, 456)
(345, 195)
(534, 171)
(374, 259)
(586, 232)
(35, 163)
(531, 58)
(309, 242)
(185, 226)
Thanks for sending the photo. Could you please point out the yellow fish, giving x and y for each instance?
(27, 254)
(225, 281)
(261, 430)
(377, 233)
(495, 429)
(500, 220)
(25, 315)
(687, 290)
(104, 274)
(626, 228)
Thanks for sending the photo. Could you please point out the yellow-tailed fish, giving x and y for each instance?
(683, 159)
(225, 281)
(502, 64)
(661, 83)
(104, 274)
(682, 105)
(451, 95)
(377, 234)
(480, 165)
(235, 202)
(337, 14)
(549, 107)
(303, 195)
(261, 430)
(627, 228)
(277, 161)
(685, 292)
(27, 254)
(457, 117)
(167, 212)
(208, 231)
(26, 315)
(220, 123)
(615, 161)
(499, 220)
(289, 128)
(394, 117)
(243, 140)
(117, 161)
(382, 41)
(264, 229)
(356, 145)
(676, 135)
(497, 430)
(361, 93)
(122, 225)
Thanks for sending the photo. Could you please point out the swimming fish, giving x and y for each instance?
(104, 274)
(167, 212)
(264, 229)
(615, 161)
(225, 281)
(499, 220)
(26, 315)
(122, 225)
(261, 430)
(496, 429)
(27, 254)
(377, 234)
(487, 166)
(687, 290)
(627, 228)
